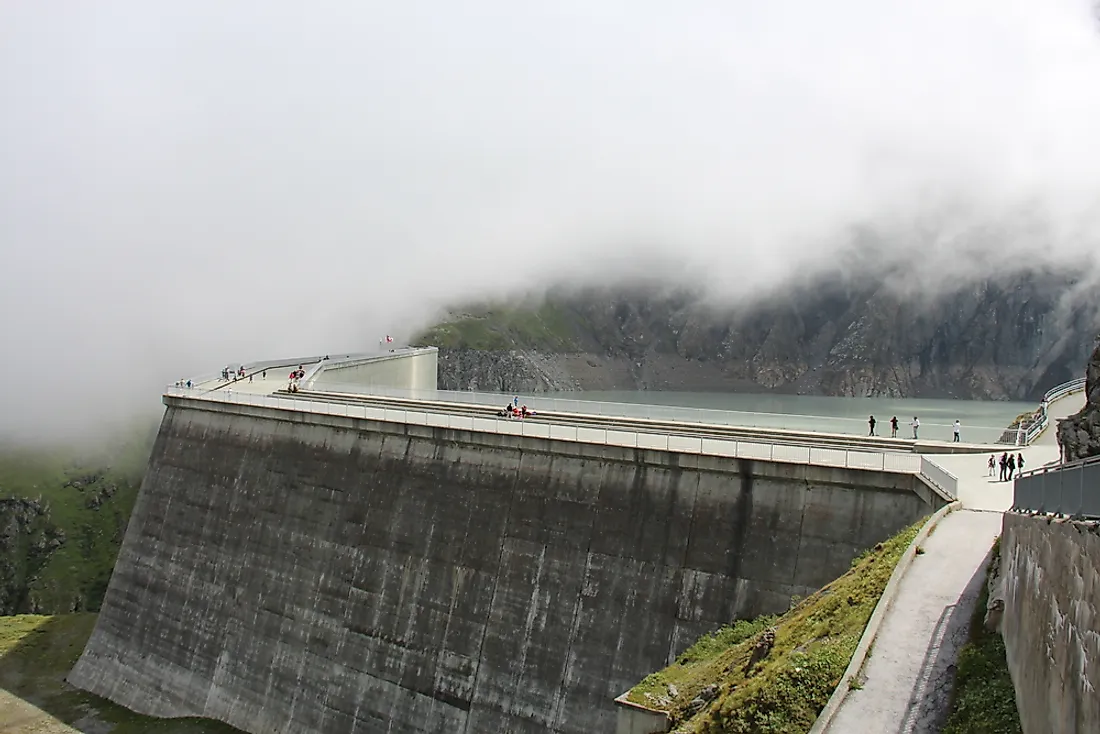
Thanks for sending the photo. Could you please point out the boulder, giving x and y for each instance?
(1079, 434)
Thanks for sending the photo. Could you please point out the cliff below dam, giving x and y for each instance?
(297, 572)
(1006, 338)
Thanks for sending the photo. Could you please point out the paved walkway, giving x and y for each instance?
(19, 717)
(908, 676)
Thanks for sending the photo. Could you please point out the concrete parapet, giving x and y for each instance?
(1051, 621)
(406, 369)
(633, 718)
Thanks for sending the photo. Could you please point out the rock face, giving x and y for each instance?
(1079, 435)
(27, 539)
(1011, 338)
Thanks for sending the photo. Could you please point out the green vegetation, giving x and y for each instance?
(63, 514)
(493, 328)
(36, 653)
(787, 688)
(984, 701)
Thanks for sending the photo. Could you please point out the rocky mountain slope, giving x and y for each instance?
(63, 513)
(1079, 435)
(1005, 338)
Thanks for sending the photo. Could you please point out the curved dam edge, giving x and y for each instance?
(293, 572)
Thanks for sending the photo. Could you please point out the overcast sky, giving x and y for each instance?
(187, 184)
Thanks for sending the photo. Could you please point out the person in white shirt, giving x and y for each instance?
(958, 429)
(916, 426)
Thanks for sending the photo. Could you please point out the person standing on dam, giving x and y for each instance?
(957, 429)
(915, 425)
(894, 427)
(871, 422)
(992, 464)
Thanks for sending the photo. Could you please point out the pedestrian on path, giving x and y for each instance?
(894, 427)
(992, 464)
(957, 428)
(1020, 463)
(1011, 466)
(1004, 467)
(265, 374)
(915, 426)
(871, 422)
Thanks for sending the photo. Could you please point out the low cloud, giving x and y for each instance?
(183, 186)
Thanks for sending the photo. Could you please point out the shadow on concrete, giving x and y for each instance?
(930, 699)
(33, 670)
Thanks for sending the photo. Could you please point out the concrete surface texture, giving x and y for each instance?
(289, 572)
(908, 677)
(1051, 623)
(408, 369)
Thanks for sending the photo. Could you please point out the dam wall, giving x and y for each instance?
(287, 571)
(1051, 622)
(405, 369)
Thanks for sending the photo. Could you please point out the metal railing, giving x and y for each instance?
(1072, 490)
(897, 462)
(745, 419)
(937, 476)
(1027, 432)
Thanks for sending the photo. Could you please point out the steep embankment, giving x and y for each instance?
(63, 514)
(313, 573)
(1002, 339)
(1079, 434)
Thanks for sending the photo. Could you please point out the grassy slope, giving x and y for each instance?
(37, 652)
(546, 327)
(984, 701)
(74, 577)
(783, 693)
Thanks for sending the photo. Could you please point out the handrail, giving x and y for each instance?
(1026, 433)
(1067, 466)
(1071, 489)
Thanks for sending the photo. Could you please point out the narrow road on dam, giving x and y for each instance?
(908, 677)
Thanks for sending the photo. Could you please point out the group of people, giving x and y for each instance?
(514, 410)
(295, 378)
(228, 373)
(1009, 464)
(914, 424)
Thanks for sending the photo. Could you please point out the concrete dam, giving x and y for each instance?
(287, 570)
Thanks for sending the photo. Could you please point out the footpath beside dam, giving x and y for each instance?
(288, 571)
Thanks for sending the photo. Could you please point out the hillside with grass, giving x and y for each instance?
(774, 675)
(63, 514)
(37, 652)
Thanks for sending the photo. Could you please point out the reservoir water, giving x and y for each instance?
(983, 421)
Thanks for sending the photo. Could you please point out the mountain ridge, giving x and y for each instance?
(1004, 338)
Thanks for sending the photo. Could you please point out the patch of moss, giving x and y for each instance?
(37, 652)
(984, 700)
(545, 327)
(784, 692)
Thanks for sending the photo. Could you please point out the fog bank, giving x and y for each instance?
(187, 185)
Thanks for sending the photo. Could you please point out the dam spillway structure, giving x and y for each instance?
(327, 561)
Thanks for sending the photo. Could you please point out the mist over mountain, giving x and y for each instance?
(187, 185)
(1012, 336)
